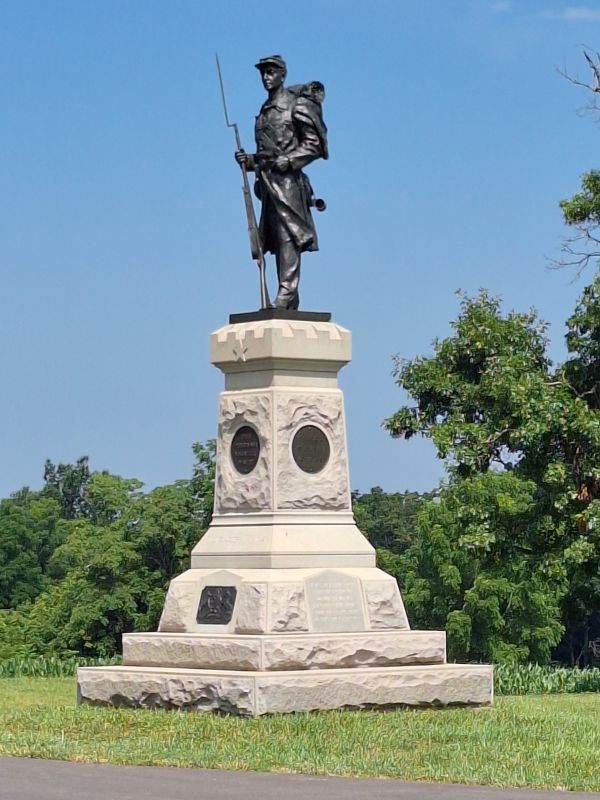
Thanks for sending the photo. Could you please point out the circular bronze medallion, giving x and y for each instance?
(310, 448)
(245, 449)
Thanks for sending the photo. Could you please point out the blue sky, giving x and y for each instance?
(122, 235)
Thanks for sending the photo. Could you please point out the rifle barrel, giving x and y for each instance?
(253, 232)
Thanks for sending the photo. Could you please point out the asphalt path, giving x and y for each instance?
(37, 779)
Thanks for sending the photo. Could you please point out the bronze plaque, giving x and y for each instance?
(310, 448)
(216, 605)
(245, 449)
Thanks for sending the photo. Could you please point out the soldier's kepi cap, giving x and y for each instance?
(271, 61)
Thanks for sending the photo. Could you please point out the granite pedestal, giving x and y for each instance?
(283, 608)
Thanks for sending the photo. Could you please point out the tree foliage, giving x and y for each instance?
(582, 211)
(388, 520)
(476, 570)
(483, 385)
(29, 533)
(91, 555)
(67, 484)
(515, 531)
(582, 368)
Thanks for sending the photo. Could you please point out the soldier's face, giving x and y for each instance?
(272, 77)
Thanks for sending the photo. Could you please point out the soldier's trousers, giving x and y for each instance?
(287, 259)
(287, 256)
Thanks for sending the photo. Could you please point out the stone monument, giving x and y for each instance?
(283, 608)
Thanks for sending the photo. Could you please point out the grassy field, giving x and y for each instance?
(548, 741)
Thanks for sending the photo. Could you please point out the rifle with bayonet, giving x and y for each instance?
(256, 247)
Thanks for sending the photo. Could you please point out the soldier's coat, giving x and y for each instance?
(290, 124)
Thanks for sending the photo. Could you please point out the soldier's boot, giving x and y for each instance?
(288, 273)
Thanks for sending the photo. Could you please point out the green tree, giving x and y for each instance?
(582, 371)
(492, 404)
(388, 520)
(477, 571)
(202, 483)
(96, 596)
(163, 530)
(114, 551)
(582, 368)
(581, 212)
(14, 640)
(67, 484)
(484, 385)
(29, 533)
(98, 587)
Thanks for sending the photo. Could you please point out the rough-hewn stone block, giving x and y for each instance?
(259, 693)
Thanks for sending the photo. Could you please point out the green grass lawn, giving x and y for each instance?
(550, 741)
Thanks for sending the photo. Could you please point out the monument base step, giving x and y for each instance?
(257, 693)
(284, 651)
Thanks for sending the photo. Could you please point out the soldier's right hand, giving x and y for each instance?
(241, 156)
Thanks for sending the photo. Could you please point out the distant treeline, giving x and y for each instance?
(90, 556)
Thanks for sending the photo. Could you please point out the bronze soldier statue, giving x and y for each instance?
(290, 133)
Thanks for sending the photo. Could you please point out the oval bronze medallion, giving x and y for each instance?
(245, 449)
(310, 449)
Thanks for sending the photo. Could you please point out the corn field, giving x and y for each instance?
(533, 679)
(508, 679)
(49, 666)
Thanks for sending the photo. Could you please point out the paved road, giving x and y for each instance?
(36, 779)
